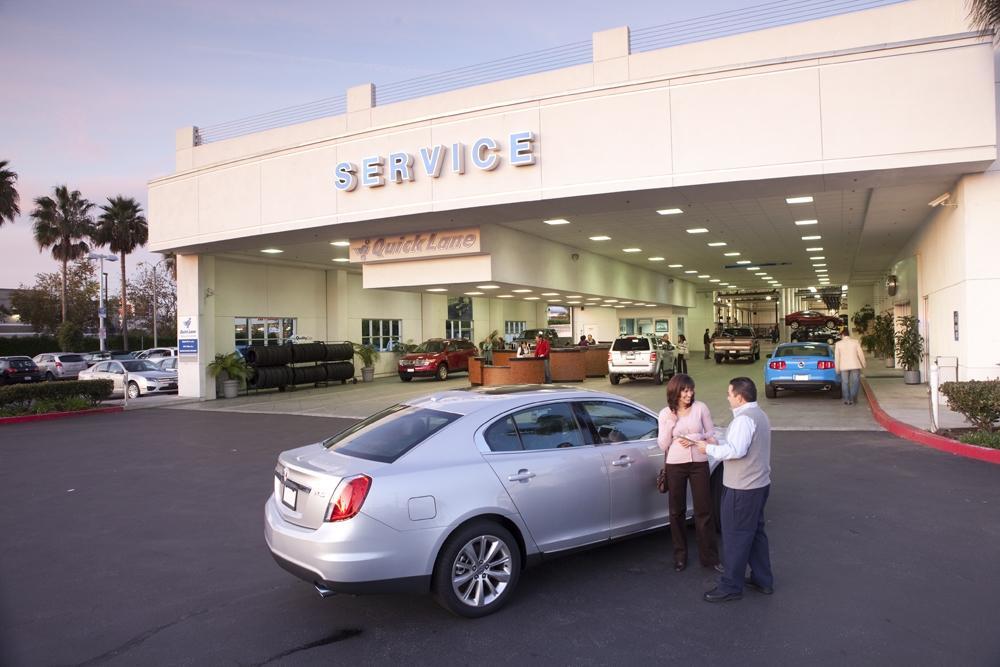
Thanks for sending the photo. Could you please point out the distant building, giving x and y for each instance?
(10, 321)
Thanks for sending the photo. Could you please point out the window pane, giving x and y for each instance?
(502, 436)
(618, 423)
(548, 427)
(387, 435)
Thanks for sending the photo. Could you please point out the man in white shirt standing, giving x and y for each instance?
(746, 483)
(849, 359)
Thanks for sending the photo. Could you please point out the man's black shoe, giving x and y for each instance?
(716, 595)
(750, 583)
(719, 568)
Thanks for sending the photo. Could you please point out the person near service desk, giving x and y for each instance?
(583, 342)
(682, 354)
(849, 359)
(542, 352)
(685, 420)
(707, 340)
(746, 483)
(590, 340)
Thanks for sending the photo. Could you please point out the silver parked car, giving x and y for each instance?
(140, 376)
(458, 491)
(640, 356)
(168, 364)
(60, 365)
(157, 353)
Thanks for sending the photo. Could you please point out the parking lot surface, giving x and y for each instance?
(137, 539)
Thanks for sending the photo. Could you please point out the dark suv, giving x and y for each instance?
(437, 357)
(18, 369)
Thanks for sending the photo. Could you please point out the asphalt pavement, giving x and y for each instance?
(137, 539)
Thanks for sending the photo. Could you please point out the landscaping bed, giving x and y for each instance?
(53, 397)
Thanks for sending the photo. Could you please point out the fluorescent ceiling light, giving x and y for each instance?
(521, 291)
(820, 264)
(271, 251)
(619, 306)
(803, 223)
(592, 298)
(505, 296)
(744, 261)
(670, 211)
(812, 289)
(650, 305)
(656, 259)
(573, 296)
(487, 287)
(531, 298)
(631, 249)
(473, 294)
(340, 244)
(807, 199)
(814, 250)
(704, 275)
(600, 238)
(606, 305)
(550, 293)
(714, 280)
(732, 254)
(341, 259)
(843, 288)
(767, 298)
(817, 258)
(753, 268)
(690, 271)
(556, 221)
(675, 266)
(816, 237)
(437, 289)
(717, 244)
(611, 301)
(697, 230)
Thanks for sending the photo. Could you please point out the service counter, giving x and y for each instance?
(568, 364)
(597, 360)
(527, 370)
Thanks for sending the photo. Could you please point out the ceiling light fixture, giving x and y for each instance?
(271, 251)
(670, 211)
(744, 261)
(521, 291)
(531, 298)
(732, 254)
(656, 259)
(697, 230)
(505, 296)
(550, 293)
(473, 294)
(341, 259)
(437, 289)
(690, 271)
(675, 266)
(340, 244)
(717, 244)
(631, 249)
(817, 258)
(814, 250)
(714, 280)
(704, 275)
(556, 221)
(753, 268)
(820, 264)
(487, 287)
(803, 223)
(806, 199)
(600, 238)
(816, 237)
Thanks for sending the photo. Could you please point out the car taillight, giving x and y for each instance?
(777, 365)
(349, 497)
(652, 356)
(58, 364)
(10, 371)
(609, 355)
(825, 365)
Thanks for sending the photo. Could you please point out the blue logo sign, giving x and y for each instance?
(187, 346)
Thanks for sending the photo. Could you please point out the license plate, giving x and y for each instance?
(27, 378)
(630, 355)
(289, 496)
(801, 378)
(409, 370)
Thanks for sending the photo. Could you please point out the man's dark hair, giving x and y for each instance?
(744, 387)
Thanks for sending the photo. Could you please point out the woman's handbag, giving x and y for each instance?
(661, 477)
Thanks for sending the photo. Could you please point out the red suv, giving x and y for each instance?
(812, 318)
(437, 357)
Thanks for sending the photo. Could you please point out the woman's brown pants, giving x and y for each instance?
(678, 475)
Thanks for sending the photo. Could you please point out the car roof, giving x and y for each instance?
(504, 397)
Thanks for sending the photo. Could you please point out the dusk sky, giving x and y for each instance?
(93, 91)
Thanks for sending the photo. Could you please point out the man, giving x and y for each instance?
(746, 483)
(542, 352)
(707, 340)
(849, 359)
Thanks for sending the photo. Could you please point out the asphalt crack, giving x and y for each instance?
(338, 636)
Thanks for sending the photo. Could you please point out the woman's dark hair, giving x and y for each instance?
(678, 383)
(681, 339)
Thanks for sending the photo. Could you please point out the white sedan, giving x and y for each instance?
(139, 376)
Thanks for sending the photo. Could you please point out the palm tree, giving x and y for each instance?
(985, 15)
(62, 224)
(123, 228)
(9, 199)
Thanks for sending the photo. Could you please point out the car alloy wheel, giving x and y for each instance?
(658, 378)
(49, 376)
(477, 570)
(442, 372)
(133, 390)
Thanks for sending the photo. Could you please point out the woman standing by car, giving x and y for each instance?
(682, 354)
(682, 421)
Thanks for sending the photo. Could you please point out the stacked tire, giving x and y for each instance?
(270, 364)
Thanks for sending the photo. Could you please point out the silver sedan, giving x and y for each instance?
(137, 376)
(457, 492)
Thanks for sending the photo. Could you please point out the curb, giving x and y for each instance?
(58, 415)
(926, 438)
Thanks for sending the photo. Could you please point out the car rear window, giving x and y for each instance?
(804, 351)
(737, 332)
(387, 435)
(70, 358)
(21, 363)
(631, 345)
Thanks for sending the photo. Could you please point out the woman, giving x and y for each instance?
(682, 354)
(681, 422)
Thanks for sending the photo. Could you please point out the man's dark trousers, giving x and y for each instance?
(743, 538)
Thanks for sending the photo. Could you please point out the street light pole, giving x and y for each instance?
(156, 300)
(101, 309)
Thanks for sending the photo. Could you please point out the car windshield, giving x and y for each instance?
(70, 358)
(631, 345)
(139, 365)
(387, 435)
(431, 346)
(803, 351)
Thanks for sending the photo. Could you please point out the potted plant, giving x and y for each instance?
(884, 333)
(229, 371)
(368, 356)
(862, 318)
(910, 345)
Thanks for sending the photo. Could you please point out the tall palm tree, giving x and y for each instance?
(122, 228)
(63, 224)
(9, 199)
(985, 15)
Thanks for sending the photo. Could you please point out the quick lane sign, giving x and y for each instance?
(401, 167)
(416, 246)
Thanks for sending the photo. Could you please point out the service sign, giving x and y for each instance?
(187, 335)
(416, 246)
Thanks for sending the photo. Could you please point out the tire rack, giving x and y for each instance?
(292, 365)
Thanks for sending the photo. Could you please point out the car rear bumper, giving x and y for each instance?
(359, 555)
(418, 371)
(812, 384)
(632, 370)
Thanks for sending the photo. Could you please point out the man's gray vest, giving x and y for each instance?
(753, 471)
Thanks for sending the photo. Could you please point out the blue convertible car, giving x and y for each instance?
(801, 366)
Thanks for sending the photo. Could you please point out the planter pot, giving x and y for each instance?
(230, 388)
(221, 378)
(890, 362)
(368, 374)
(911, 377)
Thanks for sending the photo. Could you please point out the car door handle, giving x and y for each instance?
(521, 476)
(623, 462)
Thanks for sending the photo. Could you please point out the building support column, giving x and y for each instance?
(196, 300)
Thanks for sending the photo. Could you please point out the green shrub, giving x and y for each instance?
(29, 346)
(982, 438)
(23, 398)
(978, 400)
(70, 337)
